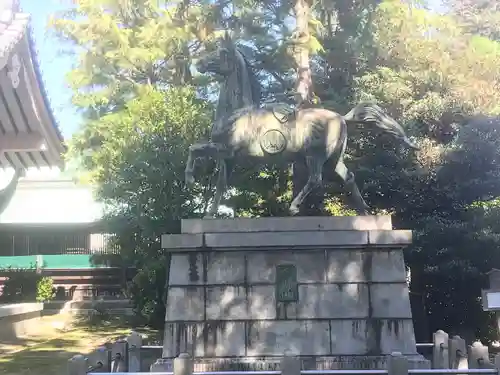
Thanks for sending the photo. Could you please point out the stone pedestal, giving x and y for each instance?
(330, 289)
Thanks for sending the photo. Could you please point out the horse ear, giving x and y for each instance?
(227, 41)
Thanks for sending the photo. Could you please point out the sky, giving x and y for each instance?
(53, 65)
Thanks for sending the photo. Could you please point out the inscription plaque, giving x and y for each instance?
(287, 288)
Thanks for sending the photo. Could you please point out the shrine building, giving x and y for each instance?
(50, 222)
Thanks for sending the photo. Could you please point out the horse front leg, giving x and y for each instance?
(315, 180)
(220, 188)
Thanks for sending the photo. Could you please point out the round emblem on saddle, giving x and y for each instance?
(273, 142)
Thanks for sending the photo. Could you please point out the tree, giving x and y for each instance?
(426, 75)
(138, 171)
(132, 85)
(304, 92)
(432, 72)
(481, 17)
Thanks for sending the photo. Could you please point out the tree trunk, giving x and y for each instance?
(182, 74)
(304, 92)
(304, 89)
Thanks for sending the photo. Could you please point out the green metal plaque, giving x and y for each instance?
(287, 288)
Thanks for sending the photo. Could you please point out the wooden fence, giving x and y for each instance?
(450, 355)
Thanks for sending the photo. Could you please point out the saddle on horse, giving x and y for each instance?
(283, 112)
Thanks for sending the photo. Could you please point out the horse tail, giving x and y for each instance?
(372, 113)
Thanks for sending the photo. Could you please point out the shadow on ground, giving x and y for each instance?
(48, 352)
(47, 357)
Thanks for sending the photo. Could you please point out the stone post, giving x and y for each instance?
(134, 341)
(440, 352)
(496, 362)
(161, 365)
(183, 365)
(397, 364)
(77, 365)
(458, 353)
(478, 356)
(39, 263)
(119, 353)
(290, 364)
(99, 360)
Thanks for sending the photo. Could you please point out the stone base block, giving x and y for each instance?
(311, 337)
(303, 232)
(330, 290)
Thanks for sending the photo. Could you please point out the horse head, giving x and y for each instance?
(222, 61)
(240, 86)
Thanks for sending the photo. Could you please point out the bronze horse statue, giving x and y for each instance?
(275, 131)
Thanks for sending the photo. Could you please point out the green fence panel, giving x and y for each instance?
(23, 261)
(63, 261)
(69, 261)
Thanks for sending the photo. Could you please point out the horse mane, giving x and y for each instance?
(255, 86)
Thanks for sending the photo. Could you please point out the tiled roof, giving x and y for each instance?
(38, 73)
(12, 29)
(28, 108)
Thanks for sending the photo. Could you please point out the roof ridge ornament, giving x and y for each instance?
(12, 35)
(6, 16)
(14, 72)
(8, 9)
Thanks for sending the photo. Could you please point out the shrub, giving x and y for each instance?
(44, 289)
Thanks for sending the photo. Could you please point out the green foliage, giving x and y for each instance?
(98, 315)
(137, 157)
(148, 289)
(133, 86)
(143, 108)
(477, 16)
(25, 285)
(44, 289)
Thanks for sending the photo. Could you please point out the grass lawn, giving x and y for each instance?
(58, 339)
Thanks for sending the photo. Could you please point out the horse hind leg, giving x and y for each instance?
(350, 184)
(315, 180)
(220, 189)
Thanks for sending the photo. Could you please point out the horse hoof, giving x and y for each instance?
(294, 211)
(189, 180)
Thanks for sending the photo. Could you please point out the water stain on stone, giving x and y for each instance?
(373, 334)
(185, 338)
(212, 333)
(393, 325)
(194, 275)
(367, 259)
(355, 327)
